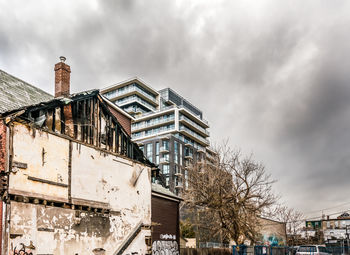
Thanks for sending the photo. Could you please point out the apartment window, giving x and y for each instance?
(186, 179)
(176, 169)
(166, 144)
(149, 151)
(166, 156)
(165, 169)
(157, 153)
(180, 154)
(167, 181)
(176, 152)
(142, 148)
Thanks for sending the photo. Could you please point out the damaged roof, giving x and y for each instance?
(15, 93)
(157, 188)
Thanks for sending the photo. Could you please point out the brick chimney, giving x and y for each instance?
(62, 78)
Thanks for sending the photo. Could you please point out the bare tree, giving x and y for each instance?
(291, 217)
(230, 192)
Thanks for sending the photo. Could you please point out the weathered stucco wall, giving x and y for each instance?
(123, 185)
(106, 197)
(46, 159)
(52, 230)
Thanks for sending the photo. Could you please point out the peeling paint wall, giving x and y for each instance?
(52, 230)
(103, 197)
(46, 159)
(123, 185)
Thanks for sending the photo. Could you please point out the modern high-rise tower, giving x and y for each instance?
(168, 128)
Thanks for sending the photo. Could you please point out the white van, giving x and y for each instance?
(312, 250)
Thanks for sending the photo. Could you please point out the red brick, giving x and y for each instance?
(2, 164)
(124, 120)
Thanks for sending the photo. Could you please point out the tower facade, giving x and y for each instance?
(168, 128)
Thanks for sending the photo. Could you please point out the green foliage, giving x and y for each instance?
(187, 229)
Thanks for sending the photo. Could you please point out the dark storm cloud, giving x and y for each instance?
(271, 75)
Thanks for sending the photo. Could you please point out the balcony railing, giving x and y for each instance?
(137, 99)
(178, 185)
(194, 134)
(164, 149)
(143, 134)
(178, 174)
(189, 156)
(129, 89)
(151, 123)
(164, 161)
(155, 112)
(195, 125)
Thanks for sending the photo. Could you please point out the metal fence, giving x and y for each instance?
(262, 250)
(284, 250)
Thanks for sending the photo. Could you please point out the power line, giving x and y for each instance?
(325, 209)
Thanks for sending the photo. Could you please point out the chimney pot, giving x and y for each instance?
(62, 78)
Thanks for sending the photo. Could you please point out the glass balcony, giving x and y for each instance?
(134, 98)
(155, 112)
(152, 132)
(164, 161)
(195, 125)
(128, 89)
(164, 149)
(178, 174)
(142, 125)
(194, 135)
(178, 185)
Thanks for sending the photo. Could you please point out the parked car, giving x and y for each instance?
(313, 250)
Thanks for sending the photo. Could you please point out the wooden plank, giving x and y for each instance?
(58, 119)
(95, 122)
(32, 178)
(37, 195)
(49, 119)
(113, 138)
(19, 165)
(90, 203)
(91, 121)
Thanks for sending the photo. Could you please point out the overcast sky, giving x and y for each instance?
(272, 76)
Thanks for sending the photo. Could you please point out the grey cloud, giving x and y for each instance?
(270, 75)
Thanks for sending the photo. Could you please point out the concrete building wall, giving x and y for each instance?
(104, 198)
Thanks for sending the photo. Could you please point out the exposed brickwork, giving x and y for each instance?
(124, 120)
(68, 118)
(2, 164)
(62, 79)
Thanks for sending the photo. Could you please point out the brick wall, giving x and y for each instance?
(2, 166)
(123, 120)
